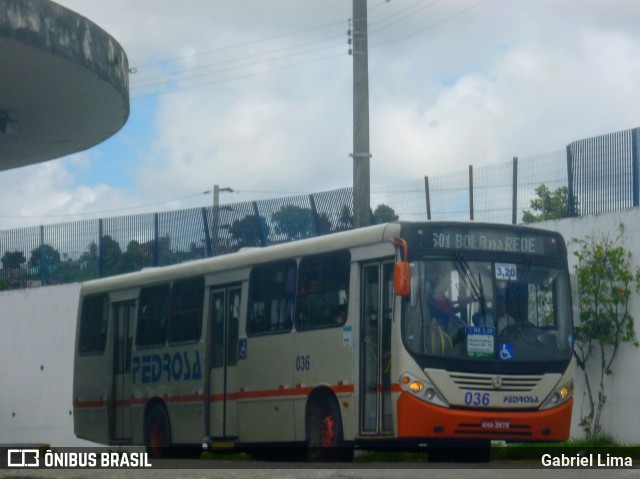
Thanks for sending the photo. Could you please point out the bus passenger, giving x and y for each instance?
(341, 317)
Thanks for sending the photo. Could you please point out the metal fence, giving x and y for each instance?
(600, 174)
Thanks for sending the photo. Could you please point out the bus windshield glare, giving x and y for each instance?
(488, 311)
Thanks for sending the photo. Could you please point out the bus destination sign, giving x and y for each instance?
(452, 238)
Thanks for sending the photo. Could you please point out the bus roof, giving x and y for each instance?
(246, 257)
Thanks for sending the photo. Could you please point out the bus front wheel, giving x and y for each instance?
(325, 440)
(157, 432)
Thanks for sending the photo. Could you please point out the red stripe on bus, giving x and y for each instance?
(243, 393)
(99, 403)
(281, 392)
(96, 403)
(396, 388)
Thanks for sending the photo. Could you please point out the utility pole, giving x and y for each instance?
(216, 211)
(216, 194)
(361, 154)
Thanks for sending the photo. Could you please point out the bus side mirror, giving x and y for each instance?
(401, 271)
(402, 278)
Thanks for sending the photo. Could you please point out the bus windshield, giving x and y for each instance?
(488, 311)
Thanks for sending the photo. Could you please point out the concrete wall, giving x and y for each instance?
(37, 331)
(620, 417)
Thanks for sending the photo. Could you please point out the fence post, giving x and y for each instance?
(471, 192)
(207, 233)
(570, 192)
(261, 234)
(43, 266)
(514, 196)
(156, 241)
(427, 196)
(100, 250)
(634, 162)
(314, 215)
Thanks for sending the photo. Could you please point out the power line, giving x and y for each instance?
(240, 45)
(136, 81)
(383, 2)
(433, 25)
(240, 77)
(224, 70)
(398, 12)
(126, 208)
(181, 76)
(278, 68)
(411, 14)
(113, 210)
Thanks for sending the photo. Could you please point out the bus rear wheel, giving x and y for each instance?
(157, 432)
(325, 440)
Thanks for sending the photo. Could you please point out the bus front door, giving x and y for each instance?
(375, 349)
(223, 360)
(120, 411)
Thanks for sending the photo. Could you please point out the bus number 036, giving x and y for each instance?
(303, 363)
(476, 399)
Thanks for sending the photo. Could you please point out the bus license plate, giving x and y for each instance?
(495, 425)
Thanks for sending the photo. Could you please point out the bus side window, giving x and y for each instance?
(323, 291)
(93, 324)
(152, 316)
(185, 322)
(271, 298)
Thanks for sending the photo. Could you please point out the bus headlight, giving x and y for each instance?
(559, 396)
(422, 389)
(416, 386)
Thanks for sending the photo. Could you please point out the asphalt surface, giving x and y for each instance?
(194, 469)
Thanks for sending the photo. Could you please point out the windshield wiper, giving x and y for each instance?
(477, 288)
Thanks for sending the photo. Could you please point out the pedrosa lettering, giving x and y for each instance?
(179, 366)
(521, 399)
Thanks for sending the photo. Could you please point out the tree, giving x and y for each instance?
(13, 260)
(293, 221)
(166, 255)
(550, 205)
(44, 256)
(345, 220)
(110, 255)
(384, 214)
(247, 232)
(133, 258)
(605, 281)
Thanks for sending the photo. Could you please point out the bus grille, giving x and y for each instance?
(487, 382)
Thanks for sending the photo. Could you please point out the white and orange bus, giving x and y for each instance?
(402, 334)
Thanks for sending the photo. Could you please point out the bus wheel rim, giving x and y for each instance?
(157, 437)
(328, 436)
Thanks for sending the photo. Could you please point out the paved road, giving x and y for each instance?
(242, 467)
(233, 470)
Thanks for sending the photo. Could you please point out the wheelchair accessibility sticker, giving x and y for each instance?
(505, 351)
(242, 348)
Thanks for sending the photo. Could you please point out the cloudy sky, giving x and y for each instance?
(257, 96)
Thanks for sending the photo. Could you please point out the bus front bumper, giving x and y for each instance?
(419, 419)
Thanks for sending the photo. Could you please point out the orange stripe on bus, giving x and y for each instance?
(281, 392)
(243, 393)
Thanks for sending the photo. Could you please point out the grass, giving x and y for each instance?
(534, 451)
(500, 452)
(385, 456)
